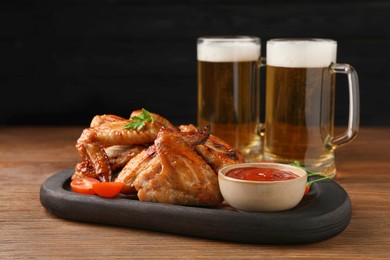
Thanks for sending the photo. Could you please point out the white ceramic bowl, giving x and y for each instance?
(262, 196)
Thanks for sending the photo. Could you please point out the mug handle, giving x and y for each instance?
(354, 113)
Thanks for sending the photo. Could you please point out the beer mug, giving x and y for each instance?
(300, 103)
(228, 90)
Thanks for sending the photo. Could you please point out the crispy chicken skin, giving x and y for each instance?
(145, 162)
(216, 152)
(118, 156)
(172, 172)
(108, 130)
(101, 119)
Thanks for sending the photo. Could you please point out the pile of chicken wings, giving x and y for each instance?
(158, 162)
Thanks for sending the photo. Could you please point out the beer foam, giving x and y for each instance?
(301, 53)
(228, 51)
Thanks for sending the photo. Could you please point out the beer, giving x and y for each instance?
(298, 130)
(228, 90)
(300, 90)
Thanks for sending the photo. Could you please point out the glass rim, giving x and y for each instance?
(229, 38)
(301, 40)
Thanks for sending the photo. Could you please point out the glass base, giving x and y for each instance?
(254, 155)
(325, 167)
(253, 152)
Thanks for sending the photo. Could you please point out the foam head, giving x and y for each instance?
(228, 49)
(301, 53)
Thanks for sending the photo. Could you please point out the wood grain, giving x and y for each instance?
(29, 155)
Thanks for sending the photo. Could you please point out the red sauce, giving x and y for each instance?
(260, 174)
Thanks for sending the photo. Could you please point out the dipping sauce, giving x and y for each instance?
(260, 174)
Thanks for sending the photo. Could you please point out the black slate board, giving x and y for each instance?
(323, 213)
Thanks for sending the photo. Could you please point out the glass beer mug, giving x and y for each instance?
(300, 103)
(228, 90)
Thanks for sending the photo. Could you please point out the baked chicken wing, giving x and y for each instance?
(172, 172)
(157, 162)
(216, 152)
(109, 130)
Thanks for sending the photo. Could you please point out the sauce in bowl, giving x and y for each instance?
(260, 174)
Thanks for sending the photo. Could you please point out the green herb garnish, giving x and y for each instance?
(309, 173)
(137, 122)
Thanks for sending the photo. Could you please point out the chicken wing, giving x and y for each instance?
(173, 173)
(109, 130)
(216, 152)
(118, 156)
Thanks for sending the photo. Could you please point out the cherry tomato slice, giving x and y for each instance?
(108, 189)
(83, 185)
(307, 189)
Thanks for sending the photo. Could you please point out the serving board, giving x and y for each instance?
(323, 213)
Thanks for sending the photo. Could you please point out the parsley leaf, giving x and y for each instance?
(138, 122)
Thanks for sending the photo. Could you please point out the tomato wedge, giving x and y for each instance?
(83, 185)
(107, 189)
(307, 189)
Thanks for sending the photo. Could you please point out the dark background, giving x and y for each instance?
(63, 61)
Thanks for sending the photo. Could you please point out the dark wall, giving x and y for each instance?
(63, 61)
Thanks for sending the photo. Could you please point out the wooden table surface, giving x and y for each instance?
(29, 155)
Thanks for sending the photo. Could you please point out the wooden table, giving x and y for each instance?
(29, 155)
